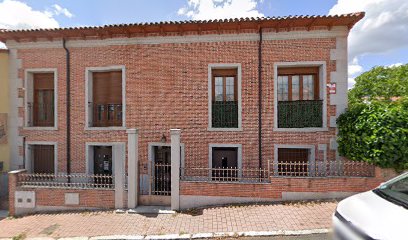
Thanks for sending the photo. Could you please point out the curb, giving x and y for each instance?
(193, 236)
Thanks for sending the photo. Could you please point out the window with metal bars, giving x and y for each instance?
(224, 98)
(42, 107)
(106, 102)
(293, 161)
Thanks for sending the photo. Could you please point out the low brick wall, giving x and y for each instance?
(54, 199)
(279, 189)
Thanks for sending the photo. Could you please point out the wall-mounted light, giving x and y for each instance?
(163, 139)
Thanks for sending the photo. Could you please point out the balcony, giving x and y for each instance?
(300, 114)
(106, 115)
(225, 114)
(40, 114)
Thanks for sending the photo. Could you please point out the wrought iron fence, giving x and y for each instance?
(76, 181)
(225, 174)
(225, 114)
(280, 169)
(324, 169)
(300, 114)
(105, 115)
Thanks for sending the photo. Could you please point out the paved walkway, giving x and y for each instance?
(233, 219)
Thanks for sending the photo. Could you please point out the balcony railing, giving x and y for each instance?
(40, 114)
(225, 114)
(106, 115)
(300, 114)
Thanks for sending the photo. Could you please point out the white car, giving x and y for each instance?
(381, 213)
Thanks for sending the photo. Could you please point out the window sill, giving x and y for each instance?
(323, 129)
(41, 128)
(210, 129)
(105, 128)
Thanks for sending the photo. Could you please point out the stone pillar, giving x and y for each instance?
(175, 168)
(12, 187)
(133, 167)
(119, 161)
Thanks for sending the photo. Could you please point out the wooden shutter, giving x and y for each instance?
(107, 87)
(43, 158)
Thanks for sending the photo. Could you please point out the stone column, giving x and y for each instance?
(119, 161)
(175, 168)
(133, 167)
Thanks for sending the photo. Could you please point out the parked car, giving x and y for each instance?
(381, 213)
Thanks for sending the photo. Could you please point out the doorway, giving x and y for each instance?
(161, 171)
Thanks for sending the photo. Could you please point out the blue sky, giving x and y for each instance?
(380, 39)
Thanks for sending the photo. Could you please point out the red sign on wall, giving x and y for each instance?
(332, 88)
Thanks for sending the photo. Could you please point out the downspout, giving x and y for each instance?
(260, 98)
(68, 106)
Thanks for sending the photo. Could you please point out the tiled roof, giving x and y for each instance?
(189, 25)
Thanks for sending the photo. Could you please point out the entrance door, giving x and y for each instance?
(103, 160)
(161, 171)
(102, 164)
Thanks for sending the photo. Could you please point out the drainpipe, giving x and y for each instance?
(260, 98)
(68, 105)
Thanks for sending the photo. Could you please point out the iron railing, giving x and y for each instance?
(225, 114)
(106, 115)
(161, 179)
(300, 114)
(40, 114)
(324, 169)
(75, 181)
(224, 174)
(280, 169)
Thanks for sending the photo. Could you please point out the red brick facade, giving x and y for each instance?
(167, 87)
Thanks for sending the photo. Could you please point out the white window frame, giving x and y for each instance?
(88, 88)
(89, 154)
(239, 79)
(322, 94)
(311, 160)
(218, 145)
(29, 165)
(29, 92)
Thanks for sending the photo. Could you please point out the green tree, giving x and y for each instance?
(380, 83)
(376, 132)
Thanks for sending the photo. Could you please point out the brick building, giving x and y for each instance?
(255, 102)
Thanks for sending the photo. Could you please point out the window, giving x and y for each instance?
(105, 99)
(298, 98)
(225, 164)
(293, 161)
(298, 84)
(43, 159)
(40, 99)
(224, 98)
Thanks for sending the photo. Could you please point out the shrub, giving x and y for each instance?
(375, 132)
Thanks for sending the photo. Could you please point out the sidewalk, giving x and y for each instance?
(270, 219)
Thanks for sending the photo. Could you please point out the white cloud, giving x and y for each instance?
(58, 10)
(395, 65)
(218, 9)
(384, 28)
(354, 67)
(18, 15)
(351, 82)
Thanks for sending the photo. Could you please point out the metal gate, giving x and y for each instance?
(161, 179)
